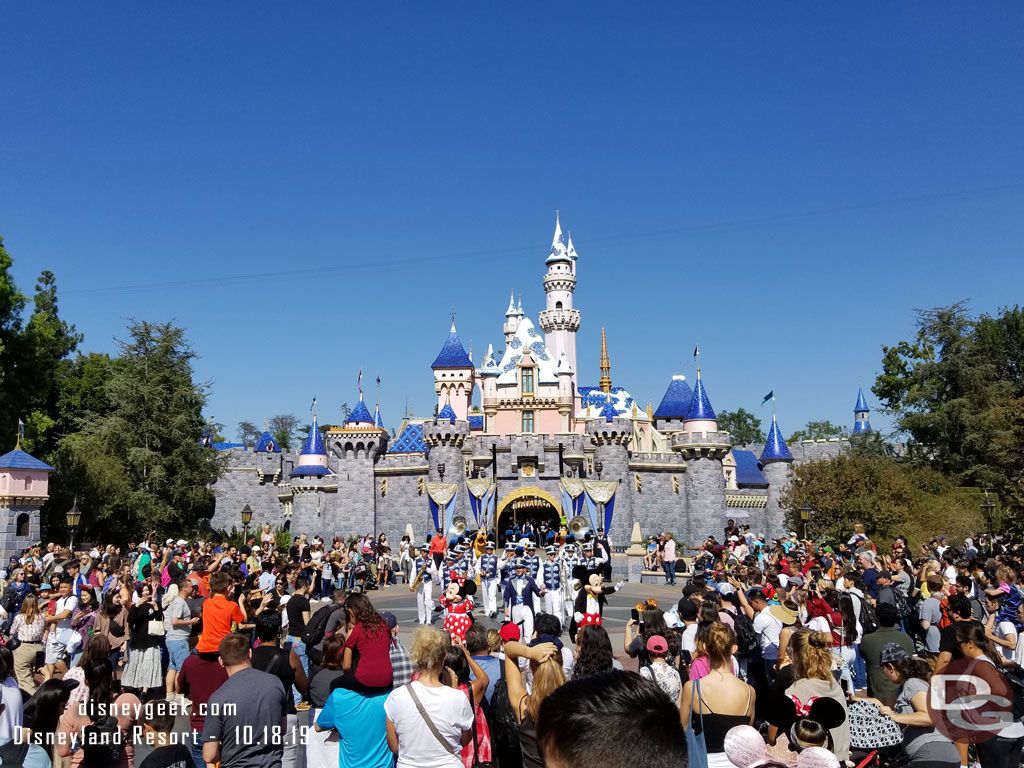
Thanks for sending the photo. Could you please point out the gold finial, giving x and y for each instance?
(650, 410)
(606, 366)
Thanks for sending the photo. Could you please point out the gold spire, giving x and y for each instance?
(650, 411)
(606, 366)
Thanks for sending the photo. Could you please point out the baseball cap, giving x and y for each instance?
(510, 632)
(657, 644)
(182, 542)
(687, 609)
(884, 575)
(45, 586)
(390, 619)
(892, 652)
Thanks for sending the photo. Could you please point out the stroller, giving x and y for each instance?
(363, 579)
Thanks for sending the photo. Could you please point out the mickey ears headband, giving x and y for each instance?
(644, 606)
(783, 712)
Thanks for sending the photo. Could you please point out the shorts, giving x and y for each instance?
(178, 651)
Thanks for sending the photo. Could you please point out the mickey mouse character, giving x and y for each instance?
(589, 603)
(457, 601)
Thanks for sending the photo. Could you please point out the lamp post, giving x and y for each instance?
(74, 517)
(246, 519)
(988, 511)
(805, 515)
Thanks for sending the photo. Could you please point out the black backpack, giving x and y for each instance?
(103, 743)
(501, 718)
(316, 628)
(13, 754)
(900, 602)
(747, 645)
(866, 617)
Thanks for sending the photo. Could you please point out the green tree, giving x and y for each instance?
(30, 357)
(819, 430)
(742, 425)
(958, 391)
(283, 427)
(888, 497)
(248, 433)
(139, 466)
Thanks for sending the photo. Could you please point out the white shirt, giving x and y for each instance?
(69, 603)
(688, 641)
(449, 711)
(768, 629)
(1003, 630)
(10, 718)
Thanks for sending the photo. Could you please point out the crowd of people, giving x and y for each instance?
(785, 652)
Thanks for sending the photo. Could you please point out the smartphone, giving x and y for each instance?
(635, 615)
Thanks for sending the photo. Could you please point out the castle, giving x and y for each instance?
(540, 446)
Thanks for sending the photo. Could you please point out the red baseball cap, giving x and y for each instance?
(510, 632)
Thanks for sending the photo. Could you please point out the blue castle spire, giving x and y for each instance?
(360, 414)
(676, 402)
(376, 414)
(775, 449)
(447, 414)
(267, 444)
(452, 354)
(608, 412)
(314, 445)
(861, 414)
(700, 406)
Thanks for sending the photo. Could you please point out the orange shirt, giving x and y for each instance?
(218, 613)
(438, 544)
(204, 583)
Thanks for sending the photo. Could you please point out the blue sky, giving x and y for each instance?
(311, 189)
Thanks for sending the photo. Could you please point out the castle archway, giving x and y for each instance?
(529, 503)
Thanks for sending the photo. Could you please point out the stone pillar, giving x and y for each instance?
(445, 439)
(612, 441)
(779, 476)
(704, 481)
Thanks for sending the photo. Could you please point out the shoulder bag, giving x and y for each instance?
(426, 718)
(696, 746)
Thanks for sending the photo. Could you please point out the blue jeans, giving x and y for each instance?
(300, 650)
(670, 572)
(197, 749)
(860, 671)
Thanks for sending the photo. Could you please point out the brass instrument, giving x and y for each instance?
(419, 576)
(579, 526)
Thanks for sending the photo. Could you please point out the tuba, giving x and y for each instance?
(579, 526)
(458, 526)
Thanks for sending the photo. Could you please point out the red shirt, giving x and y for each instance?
(438, 544)
(218, 614)
(199, 679)
(372, 661)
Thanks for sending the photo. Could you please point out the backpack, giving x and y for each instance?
(103, 743)
(866, 617)
(944, 621)
(901, 603)
(501, 719)
(14, 754)
(316, 628)
(747, 644)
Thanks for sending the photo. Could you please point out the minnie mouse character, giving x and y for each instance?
(589, 603)
(457, 602)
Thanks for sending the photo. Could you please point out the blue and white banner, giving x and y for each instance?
(601, 492)
(441, 498)
(481, 493)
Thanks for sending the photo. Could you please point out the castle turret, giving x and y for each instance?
(559, 320)
(358, 443)
(512, 316)
(566, 392)
(776, 461)
(703, 448)
(445, 437)
(674, 406)
(453, 375)
(24, 488)
(313, 454)
(612, 435)
(861, 414)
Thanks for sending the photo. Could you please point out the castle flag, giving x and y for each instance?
(359, 381)
(312, 405)
(696, 351)
(769, 396)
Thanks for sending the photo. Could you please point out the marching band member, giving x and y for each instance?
(532, 561)
(488, 569)
(424, 565)
(551, 582)
(519, 598)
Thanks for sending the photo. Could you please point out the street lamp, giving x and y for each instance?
(246, 519)
(74, 517)
(805, 515)
(988, 511)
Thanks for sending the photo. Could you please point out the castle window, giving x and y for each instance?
(23, 526)
(28, 483)
(527, 381)
(527, 421)
(558, 305)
